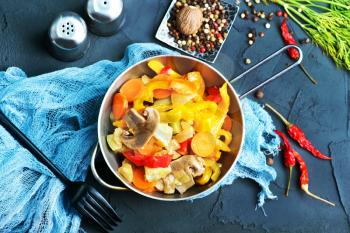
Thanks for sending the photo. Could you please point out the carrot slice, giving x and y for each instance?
(119, 106)
(227, 124)
(139, 180)
(132, 89)
(203, 144)
(161, 93)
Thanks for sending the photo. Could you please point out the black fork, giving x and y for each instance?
(86, 200)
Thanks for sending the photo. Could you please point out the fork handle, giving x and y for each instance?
(26, 143)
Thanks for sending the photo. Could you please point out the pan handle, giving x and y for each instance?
(297, 62)
(97, 176)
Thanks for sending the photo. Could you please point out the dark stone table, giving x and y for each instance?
(321, 110)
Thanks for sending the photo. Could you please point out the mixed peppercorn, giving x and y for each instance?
(212, 32)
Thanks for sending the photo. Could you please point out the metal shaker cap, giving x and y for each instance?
(105, 17)
(68, 36)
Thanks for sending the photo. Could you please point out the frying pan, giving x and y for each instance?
(182, 64)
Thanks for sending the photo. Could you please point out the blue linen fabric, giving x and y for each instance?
(58, 112)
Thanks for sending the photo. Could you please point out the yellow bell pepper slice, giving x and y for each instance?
(147, 94)
(215, 168)
(171, 116)
(158, 67)
(222, 146)
(217, 155)
(153, 85)
(180, 99)
(222, 111)
(205, 177)
(226, 134)
(196, 78)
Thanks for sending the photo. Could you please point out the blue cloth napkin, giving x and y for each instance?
(58, 112)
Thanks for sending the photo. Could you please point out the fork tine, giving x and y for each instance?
(104, 204)
(89, 211)
(93, 202)
(86, 213)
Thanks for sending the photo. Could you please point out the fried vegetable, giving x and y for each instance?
(140, 129)
(132, 89)
(186, 133)
(159, 68)
(119, 106)
(203, 144)
(155, 174)
(205, 177)
(197, 79)
(126, 170)
(163, 134)
(140, 182)
(114, 140)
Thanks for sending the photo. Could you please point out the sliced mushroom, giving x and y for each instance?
(141, 128)
(134, 120)
(184, 169)
(160, 185)
(169, 184)
(191, 164)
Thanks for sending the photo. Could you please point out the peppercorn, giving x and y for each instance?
(269, 161)
(215, 20)
(279, 13)
(270, 17)
(250, 35)
(259, 94)
(305, 41)
(262, 15)
(261, 34)
(255, 19)
(243, 16)
(250, 4)
(250, 42)
(247, 61)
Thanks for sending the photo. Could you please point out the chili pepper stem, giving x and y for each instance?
(290, 177)
(308, 75)
(285, 121)
(305, 188)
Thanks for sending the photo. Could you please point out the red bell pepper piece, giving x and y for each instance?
(151, 161)
(165, 70)
(213, 91)
(184, 147)
(213, 95)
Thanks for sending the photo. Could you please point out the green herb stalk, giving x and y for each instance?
(327, 22)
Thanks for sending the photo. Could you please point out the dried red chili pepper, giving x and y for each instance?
(293, 52)
(288, 39)
(299, 136)
(304, 178)
(288, 157)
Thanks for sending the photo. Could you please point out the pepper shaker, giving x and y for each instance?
(68, 37)
(105, 17)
